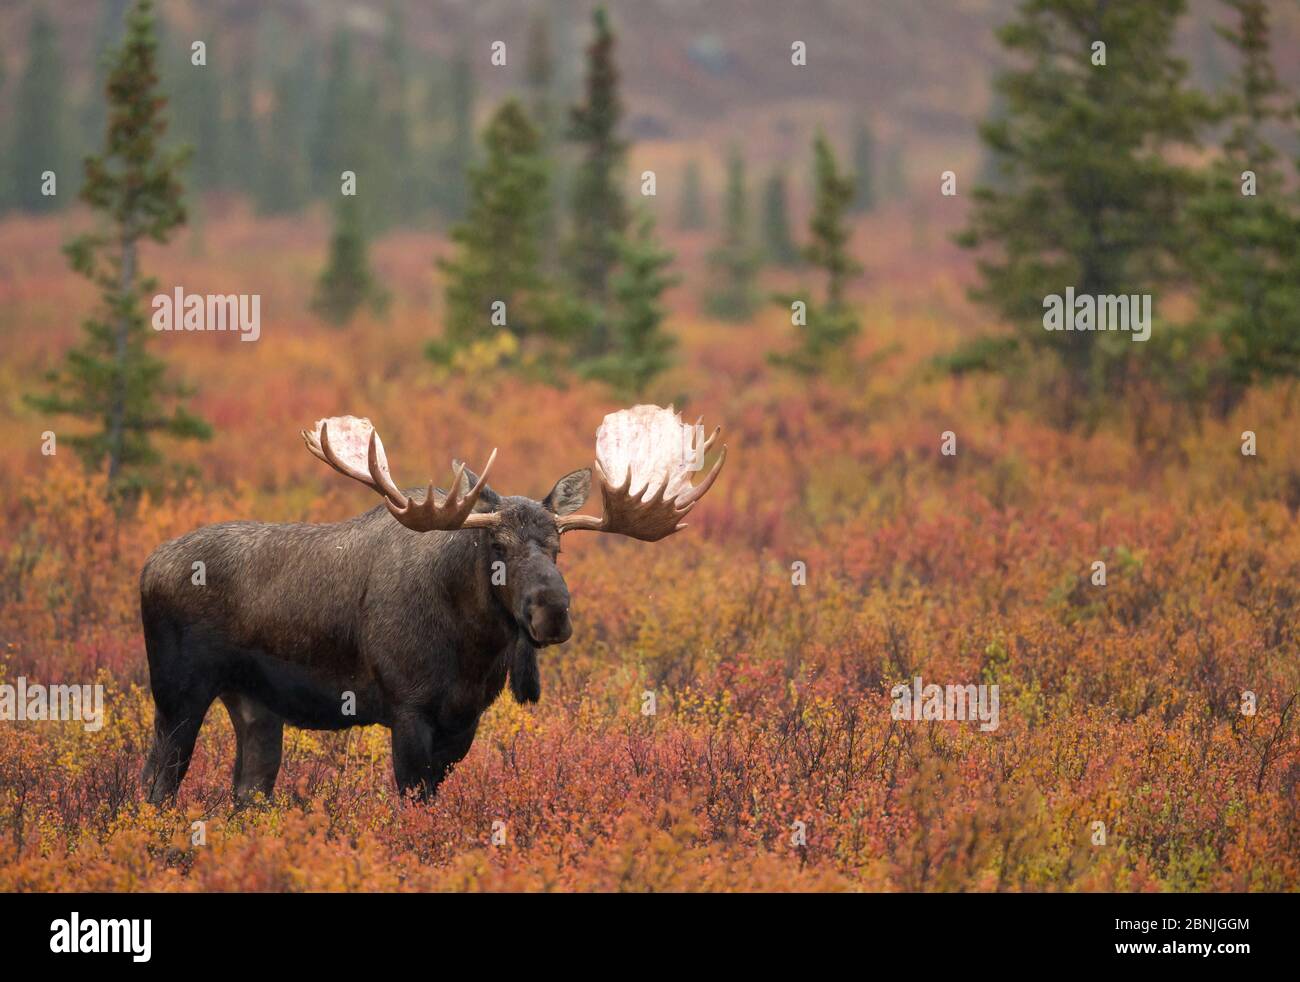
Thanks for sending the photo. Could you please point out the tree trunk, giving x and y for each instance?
(117, 400)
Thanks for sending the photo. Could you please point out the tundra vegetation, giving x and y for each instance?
(1119, 704)
(721, 717)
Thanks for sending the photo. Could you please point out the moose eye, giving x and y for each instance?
(498, 551)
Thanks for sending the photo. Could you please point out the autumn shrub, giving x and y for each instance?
(839, 554)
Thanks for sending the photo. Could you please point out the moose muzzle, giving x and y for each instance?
(546, 615)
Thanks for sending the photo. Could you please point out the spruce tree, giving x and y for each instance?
(778, 244)
(864, 168)
(539, 73)
(199, 121)
(735, 260)
(347, 283)
(498, 245)
(691, 212)
(457, 150)
(828, 231)
(340, 115)
(93, 116)
(990, 172)
(245, 156)
(5, 151)
(828, 325)
(641, 348)
(599, 215)
(395, 197)
(285, 184)
(112, 380)
(1248, 265)
(39, 138)
(174, 78)
(1094, 197)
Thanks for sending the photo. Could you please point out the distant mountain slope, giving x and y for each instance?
(693, 69)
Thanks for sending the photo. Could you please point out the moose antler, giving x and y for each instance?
(651, 448)
(339, 441)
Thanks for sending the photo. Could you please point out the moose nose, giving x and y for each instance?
(548, 623)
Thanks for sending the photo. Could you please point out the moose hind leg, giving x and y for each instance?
(174, 734)
(259, 746)
(182, 692)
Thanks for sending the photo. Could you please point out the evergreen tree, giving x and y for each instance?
(642, 349)
(5, 166)
(347, 283)
(599, 215)
(395, 197)
(429, 104)
(92, 117)
(568, 20)
(111, 379)
(1093, 197)
(864, 167)
(779, 246)
(990, 172)
(285, 184)
(457, 152)
(691, 213)
(1212, 72)
(498, 245)
(340, 114)
(39, 142)
(244, 158)
(829, 325)
(829, 233)
(1248, 266)
(199, 121)
(173, 63)
(540, 75)
(735, 260)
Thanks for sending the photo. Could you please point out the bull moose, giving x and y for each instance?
(412, 615)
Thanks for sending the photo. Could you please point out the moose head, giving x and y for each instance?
(644, 459)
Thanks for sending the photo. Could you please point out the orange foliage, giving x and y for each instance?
(1119, 704)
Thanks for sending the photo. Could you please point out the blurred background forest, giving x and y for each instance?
(286, 97)
(411, 80)
(842, 262)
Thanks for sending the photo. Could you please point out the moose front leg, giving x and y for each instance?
(422, 754)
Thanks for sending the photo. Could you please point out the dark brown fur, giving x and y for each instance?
(294, 618)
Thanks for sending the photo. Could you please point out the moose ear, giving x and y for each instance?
(486, 497)
(569, 493)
